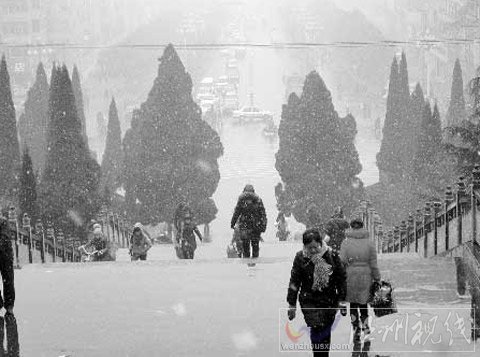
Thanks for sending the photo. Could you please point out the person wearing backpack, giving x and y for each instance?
(140, 243)
(252, 221)
(335, 229)
(185, 242)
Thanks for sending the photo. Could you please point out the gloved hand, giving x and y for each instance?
(292, 311)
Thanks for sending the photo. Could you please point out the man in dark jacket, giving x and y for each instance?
(6, 267)
(335, 228)
(318, 280)
(252, 220)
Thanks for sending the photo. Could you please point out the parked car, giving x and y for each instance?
(251, 113)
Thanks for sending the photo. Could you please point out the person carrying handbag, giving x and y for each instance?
(359, 255)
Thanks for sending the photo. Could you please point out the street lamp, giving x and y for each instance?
(26, 225)
(12, 218)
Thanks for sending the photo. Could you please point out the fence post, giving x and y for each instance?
(389, 240)
(436, 209)
(39, 230)
(12, 218)
(28, 228)
(403, 230)
(460, 196)
(448, 200)
(396, 237)
(475, 186)
(410, 226)
(61, 239)
(415, 227)
(380, 239)
(51, 235)
(426, 214)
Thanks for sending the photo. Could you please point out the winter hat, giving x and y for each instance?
(138, 225)
(356, 223)
(97, 229)
(338, 213)
(249, 188)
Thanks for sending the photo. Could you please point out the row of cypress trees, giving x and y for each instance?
(169, 155)
(57, 179)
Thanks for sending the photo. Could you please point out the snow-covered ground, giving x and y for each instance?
(211, 306)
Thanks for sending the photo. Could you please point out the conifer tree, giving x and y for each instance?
(69, 187)
(389, 159)
(28, 187)
(77, 91)
(411, 131)
(317, 159)
(456, 113)
(112, 160)
(33, 124)
(178, 151)
(9, 147)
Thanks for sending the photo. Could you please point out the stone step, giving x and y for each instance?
(420, 280)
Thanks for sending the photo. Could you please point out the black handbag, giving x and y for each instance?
(382, 300)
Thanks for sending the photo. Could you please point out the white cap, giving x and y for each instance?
(97, 229)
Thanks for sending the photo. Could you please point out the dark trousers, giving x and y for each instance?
(8, 324)
(356, 316)
(320, 338)
(359, 317)
(253, 239)
(139, 257)
(6, 270)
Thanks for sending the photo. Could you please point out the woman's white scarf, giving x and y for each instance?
(322, 271)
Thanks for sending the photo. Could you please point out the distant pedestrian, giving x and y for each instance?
(185, 242)
(335, 229)
(6, 267)
(252, 221)
(360, 257)
(314, 219)
(103, 250)
(318, 281)
(140, 243)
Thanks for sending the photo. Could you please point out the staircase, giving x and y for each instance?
(419, 281)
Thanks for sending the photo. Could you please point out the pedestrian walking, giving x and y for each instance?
(359, 255)
(335, 229)
(140, 243)
(318, 281)
(252, 221)
(7, 296)
(103, 250)
(185, 242)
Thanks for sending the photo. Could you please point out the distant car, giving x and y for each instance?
(163, 239)
(252, 113)
(207, 97)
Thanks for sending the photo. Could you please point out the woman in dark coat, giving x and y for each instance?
(318, 280)
(360, 257)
